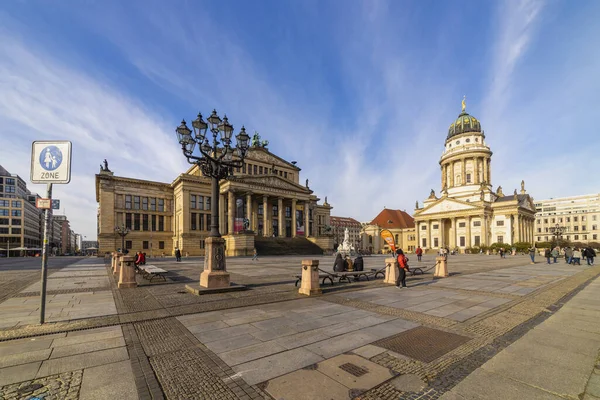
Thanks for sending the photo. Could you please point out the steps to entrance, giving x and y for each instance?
(275, 246)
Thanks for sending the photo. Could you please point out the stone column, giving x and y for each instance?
(249, 209)
(454, 241)
(441, 232)
(127, 273)
(230, 212)
(306, 220)
(266, 229)
(463, 177)
(517, 228)
(294, 217)
(485, 171)
(451, 167)
(443, 176)
(430, 234)
(221, 213)
(484, 230)
(468, 238)
(281, 222)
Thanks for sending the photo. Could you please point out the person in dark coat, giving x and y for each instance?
(339, 264)
(358, 264)
(177, 254)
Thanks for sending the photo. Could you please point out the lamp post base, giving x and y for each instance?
(215, 274)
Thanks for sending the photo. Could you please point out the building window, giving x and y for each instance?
(161, 205)
(594, 236)
(161, 223)
(575, 219)
(128, 244)
(200, 202)
(145, 222)
(575, 228)
(576, 237)
(152, 204)
(275, 210)
(260, 170)
(4, 230)
(568, 219)
(499, 223)
(144, 203)
(207, 203)
(161, 245)
(193, 201)
(193, 222)
(560, 220)
(136, 202)
(145, 245)
(153, 219)
(500, 239)
(202, 244)
(553, 220)
(584, 236)
(288, 212)
(255, 168)
(594, 227)
(260, 209)
(15, 221)
(582, 217)
(436, 226)
(244, 168)
(476, 223)
(468, 178)
(128, 202)
(424, 242)
(461, 224)
(545, 220)
(4, 203)
(128, 220)
(208, 222)
(9, 189)
(435, 242)
(423, 227)
(10, 181)
(4, 221)
(397, 241)
(477, 241)
(16, 203)
(4, 212)
(201, 226)
(593, 217)
(285, 174)
(538, 221)
(462, 241)
(583, 227)
(136, 222)
(16, 213)
(539, 230)
(16, 231)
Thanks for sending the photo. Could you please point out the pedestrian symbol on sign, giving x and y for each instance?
(51, 158)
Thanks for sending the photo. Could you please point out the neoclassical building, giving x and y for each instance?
(469, 213)
(400, 224)
(265, 193)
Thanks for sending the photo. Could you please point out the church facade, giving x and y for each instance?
(468, 213)
(263, 197)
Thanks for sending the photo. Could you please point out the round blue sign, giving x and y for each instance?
(51, 158)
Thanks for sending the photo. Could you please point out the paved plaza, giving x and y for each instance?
(495, 329)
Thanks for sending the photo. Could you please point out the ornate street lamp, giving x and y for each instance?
(557, 231)
(122, 231)
(216, 161)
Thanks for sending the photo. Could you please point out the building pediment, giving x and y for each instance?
(447, 205)
(263, 155)
(269, 181)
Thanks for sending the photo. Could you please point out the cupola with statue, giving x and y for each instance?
(464, 123)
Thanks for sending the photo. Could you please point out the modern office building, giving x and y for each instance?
(579, 216)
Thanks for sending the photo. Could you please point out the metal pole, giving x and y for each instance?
(47, 218)
(214, 223)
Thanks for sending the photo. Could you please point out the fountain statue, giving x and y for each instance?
(345, 248)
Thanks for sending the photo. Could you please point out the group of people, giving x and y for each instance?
(572, 255)
(344, 264)
(140, 259)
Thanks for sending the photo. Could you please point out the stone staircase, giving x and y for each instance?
(277, 246)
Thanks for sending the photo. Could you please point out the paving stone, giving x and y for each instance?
(266, 368)
(245, 354)
(370, 375)
(24, 358)
(103, 344)
(110, 381)
(236, 342)
(19, 373)
(293, 387)
(340, 344)
(24, 346)
(81, 361)
(85, 338)
(368, 351)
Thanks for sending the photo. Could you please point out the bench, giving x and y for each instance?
(150, 272)
(321, 276)
(344, 276)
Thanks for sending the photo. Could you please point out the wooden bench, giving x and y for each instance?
(150, 272)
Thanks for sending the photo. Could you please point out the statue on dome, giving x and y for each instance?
(499, 191)
(523, 187)
(464, 103)
(432, 194)
(417, 205)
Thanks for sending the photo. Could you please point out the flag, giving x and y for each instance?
(389, 238)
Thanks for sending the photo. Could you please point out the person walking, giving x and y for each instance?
(548, 254)
(532, 254)
(576, 257)
(419, 253)
(568, 255)
(554, 254)
(403, 266)
(255, 255)
(589, 255)
(177, 254)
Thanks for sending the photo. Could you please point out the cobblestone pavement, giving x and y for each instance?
(168, 361)
(56, 387)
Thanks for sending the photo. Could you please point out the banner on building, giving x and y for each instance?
(389, 238)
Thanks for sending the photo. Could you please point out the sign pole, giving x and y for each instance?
(47, 218)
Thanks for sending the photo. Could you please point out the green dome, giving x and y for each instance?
(464, 123)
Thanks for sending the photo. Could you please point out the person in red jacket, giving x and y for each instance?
(403, 266)
(419, 253)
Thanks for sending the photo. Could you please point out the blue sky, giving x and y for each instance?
(359, 93)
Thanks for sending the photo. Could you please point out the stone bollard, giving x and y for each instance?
(310, 278)
(391, 270)
(117, 263)
(441, 267)
(127, 273)
(112, 261)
